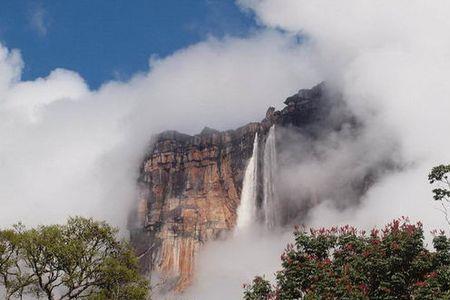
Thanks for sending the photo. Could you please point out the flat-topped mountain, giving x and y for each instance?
(190, 186)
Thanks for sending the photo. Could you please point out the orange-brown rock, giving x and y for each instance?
(189, 193)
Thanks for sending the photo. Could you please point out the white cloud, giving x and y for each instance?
(392, 61)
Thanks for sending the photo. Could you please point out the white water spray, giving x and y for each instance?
(246, 213)
(271, 203)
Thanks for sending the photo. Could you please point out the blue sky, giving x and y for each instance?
(111, 39)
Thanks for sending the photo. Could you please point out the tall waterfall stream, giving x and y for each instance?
(248, 209)
(270, 166)
(246, 213)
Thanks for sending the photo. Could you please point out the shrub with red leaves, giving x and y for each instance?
(344, 263)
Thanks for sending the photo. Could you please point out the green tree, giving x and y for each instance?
(82, 259)
(15, 277)
(439, 177)
(259, 289)
(344, 263)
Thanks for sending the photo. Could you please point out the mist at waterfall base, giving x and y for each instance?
(332, 161)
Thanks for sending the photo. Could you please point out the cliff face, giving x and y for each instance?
(190, 187)
(189, 193)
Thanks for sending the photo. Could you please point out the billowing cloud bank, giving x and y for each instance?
(391, 59)
(67, 150)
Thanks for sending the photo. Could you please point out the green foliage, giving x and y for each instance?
(344, 263)
(259, 289)
(81, 259)
(439, 176)
(13, 277)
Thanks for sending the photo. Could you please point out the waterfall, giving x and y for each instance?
(270, 200)
(247, 210)
(246, 213)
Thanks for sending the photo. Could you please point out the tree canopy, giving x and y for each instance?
(439, 178)
(82, 259)
(344, 263)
